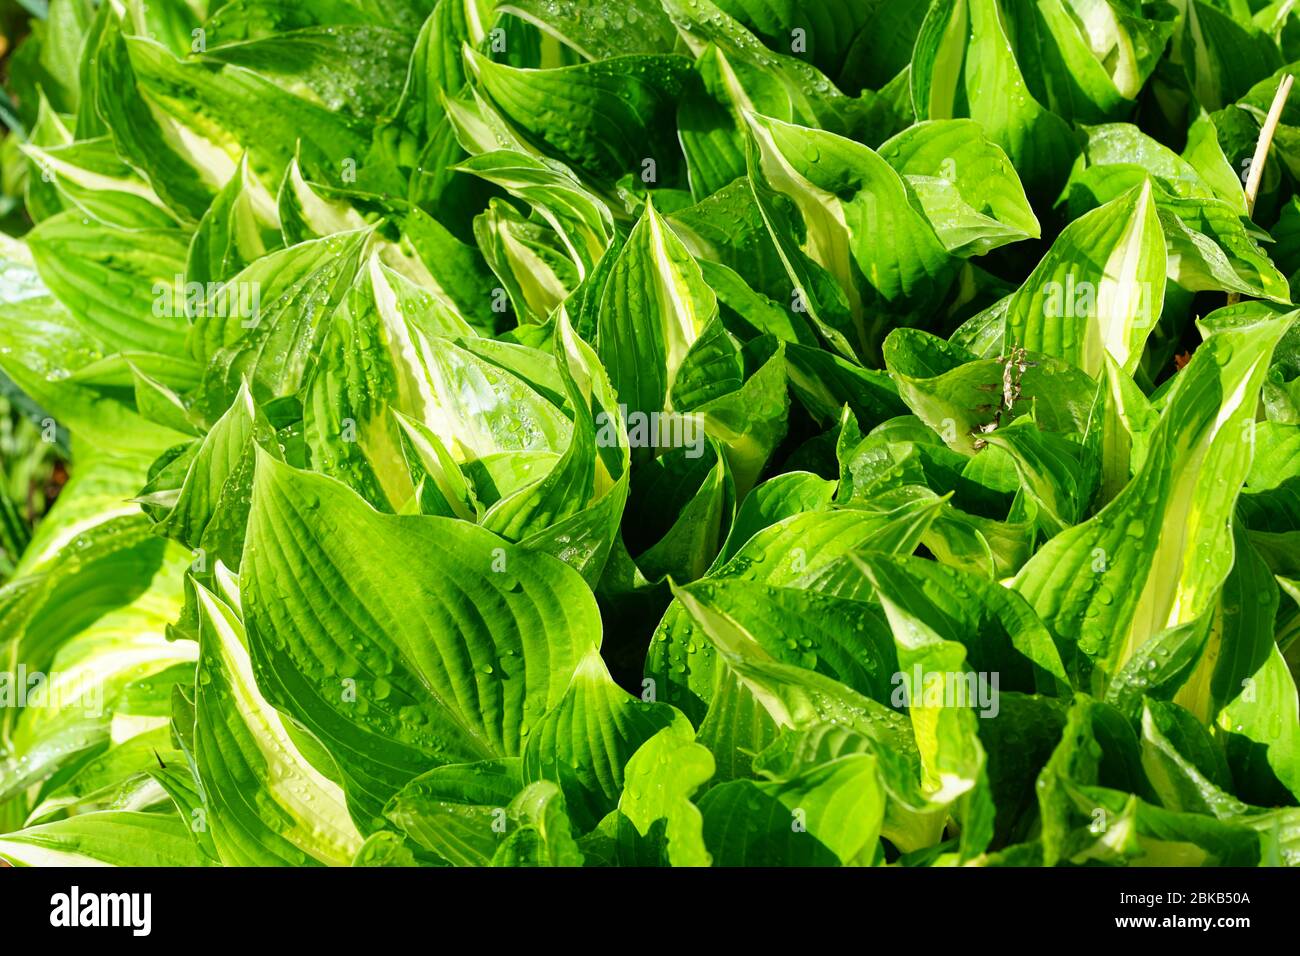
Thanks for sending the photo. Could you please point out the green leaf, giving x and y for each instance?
(201, 499)
(117, 284)
(584, 743)
(458, 811)
(603, 118)
(266, 323)
(1121, 578)
(660, 779)
(1059, 475)
(266, 804)
(242, 225)
(777, 556)
(966, 185)
(542, 835)
(1223, 58)
(99, 628)
(455, 677)
(960, 398)
(1099, 290)
(636, 27)
(963, 52)
(1000, 632)
(104, 838)
(739, 74)
(801, 821)
(859, 226)
(655, 306)
(316, 64)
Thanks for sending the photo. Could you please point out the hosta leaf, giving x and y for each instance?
(684, 549)
(845, 193)
(801, 700)
(233, 104)
(46, 348)
(1261, 717)
(118, 284)
(543, 433)
(1099, 290)
(42, 195)
(184, 167)
(953, 760)
(1124, 144)
(749, 422)
(458, 811)
(99, 632)
(201, 499)
(964, 66)
(1207, 245)
(727, 229)
(159, 403)
(636, 27)
(53, 59)
(346, 419)
(118, 779)
(266, 804)
(316, 64)
(650, 796)
(1223, 58)
(1090, 58)
(241, 226)
(1091, 811)
(304, 212)
(1205, 152)
(604, 118)
(104, 838)
(825, 383)
(779, 555)
(960, 397)
(1058, 474)
(780, 497)
(654, 308)
(861, 44)
(1209, 249)
(585, 742)
(798, 821)
(1001, 633)
(461, 675)
(266, 323)
(1147, 535)
(476, 408)
(384, 848)
(850, 643)
(542, 834)
(90, 177)
(966, 185)
(527, 258)
(581, 220)
(739, 74)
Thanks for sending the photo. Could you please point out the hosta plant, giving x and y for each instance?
(654, 433)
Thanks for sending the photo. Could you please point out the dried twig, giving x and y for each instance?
(1266, 134)
(1014, 366)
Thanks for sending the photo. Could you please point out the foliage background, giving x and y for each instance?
(333, 531)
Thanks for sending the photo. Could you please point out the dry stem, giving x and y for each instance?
(1266, 134)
